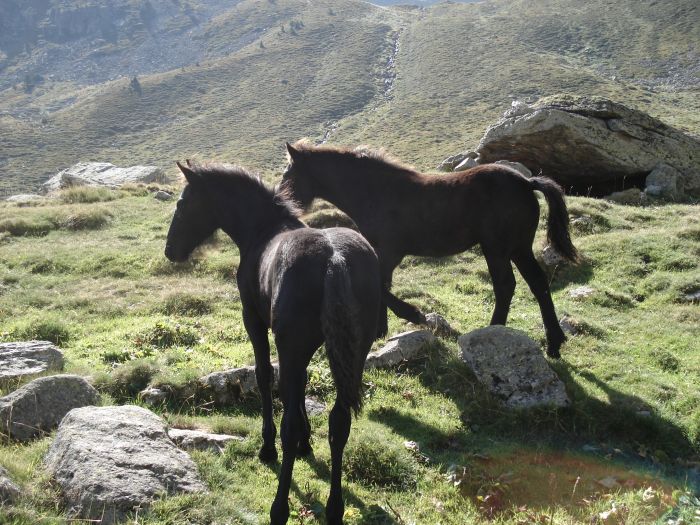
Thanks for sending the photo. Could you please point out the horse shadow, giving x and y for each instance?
(613, 420)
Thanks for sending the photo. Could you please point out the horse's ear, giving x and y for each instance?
(191, 175)
(294, 154)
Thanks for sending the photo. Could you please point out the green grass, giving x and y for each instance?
(128, 318)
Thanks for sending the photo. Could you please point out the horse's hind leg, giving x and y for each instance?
(292, 394)
(305, 440)
(537, 281)
(338, 432)
(503, 285)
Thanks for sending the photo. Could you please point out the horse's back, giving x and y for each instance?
(298, 266)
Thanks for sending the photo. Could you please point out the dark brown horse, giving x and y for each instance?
(403, 212)
(308, 285)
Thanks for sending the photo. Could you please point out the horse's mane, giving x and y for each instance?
(222, 175)
(375, 157)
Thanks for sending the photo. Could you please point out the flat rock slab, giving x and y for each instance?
(402, 347)
(512, 367)
(40, 405)
(22, 359)
(102, 174)
(108, 461)
(8, 490)
(187, 439)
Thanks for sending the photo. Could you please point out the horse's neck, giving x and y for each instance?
(251, 227)
(357, 192)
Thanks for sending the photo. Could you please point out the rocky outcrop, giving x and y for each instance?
(452, 162)
(23, 359)
(402, 347)
(512, 367)
(581, 142)
(109, 461)
(199, 440)
(102, 174)
(39, 406)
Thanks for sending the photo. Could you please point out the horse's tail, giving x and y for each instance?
(341, 328)
(558, 220)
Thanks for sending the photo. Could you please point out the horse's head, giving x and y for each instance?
(194, 220)
(296, 178)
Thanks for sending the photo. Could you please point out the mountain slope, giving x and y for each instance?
(423, 82)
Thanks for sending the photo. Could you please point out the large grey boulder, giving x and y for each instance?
(109, 461)
(589, 141)
(39, 406)
(28, 358)
(512, 367)
(8, 490)
(102, 174)
(402, 347)
(187, 439)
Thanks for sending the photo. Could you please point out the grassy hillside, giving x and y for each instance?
(424, 83)
(88, 271)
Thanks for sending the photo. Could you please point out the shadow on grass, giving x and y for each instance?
(622, 419)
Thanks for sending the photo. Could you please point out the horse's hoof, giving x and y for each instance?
(553, 353)
(334, 514)
(268, 455)
(304, 449)
(279, 514)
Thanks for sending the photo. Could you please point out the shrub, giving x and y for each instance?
(665, 360)
(53, 330)
(127, 380)
(186, 304)
(21, 226)
(88, 194)
(89, 219)
(163, 335)
(373, 461)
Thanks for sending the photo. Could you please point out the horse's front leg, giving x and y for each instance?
(257, 331)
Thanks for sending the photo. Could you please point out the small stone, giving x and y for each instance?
(692, 297)
(39, 406)
(582, 292)
(631, 196)
(153, 396)
(517, 166)
(551, 257)
(230, 385)
(402, 347)
(199, 440)
(8, 490)
(512, 367)
(162, 195)
(439, 325)
(314, 407)
(466, 164)
(25, 359)
(568, 325)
